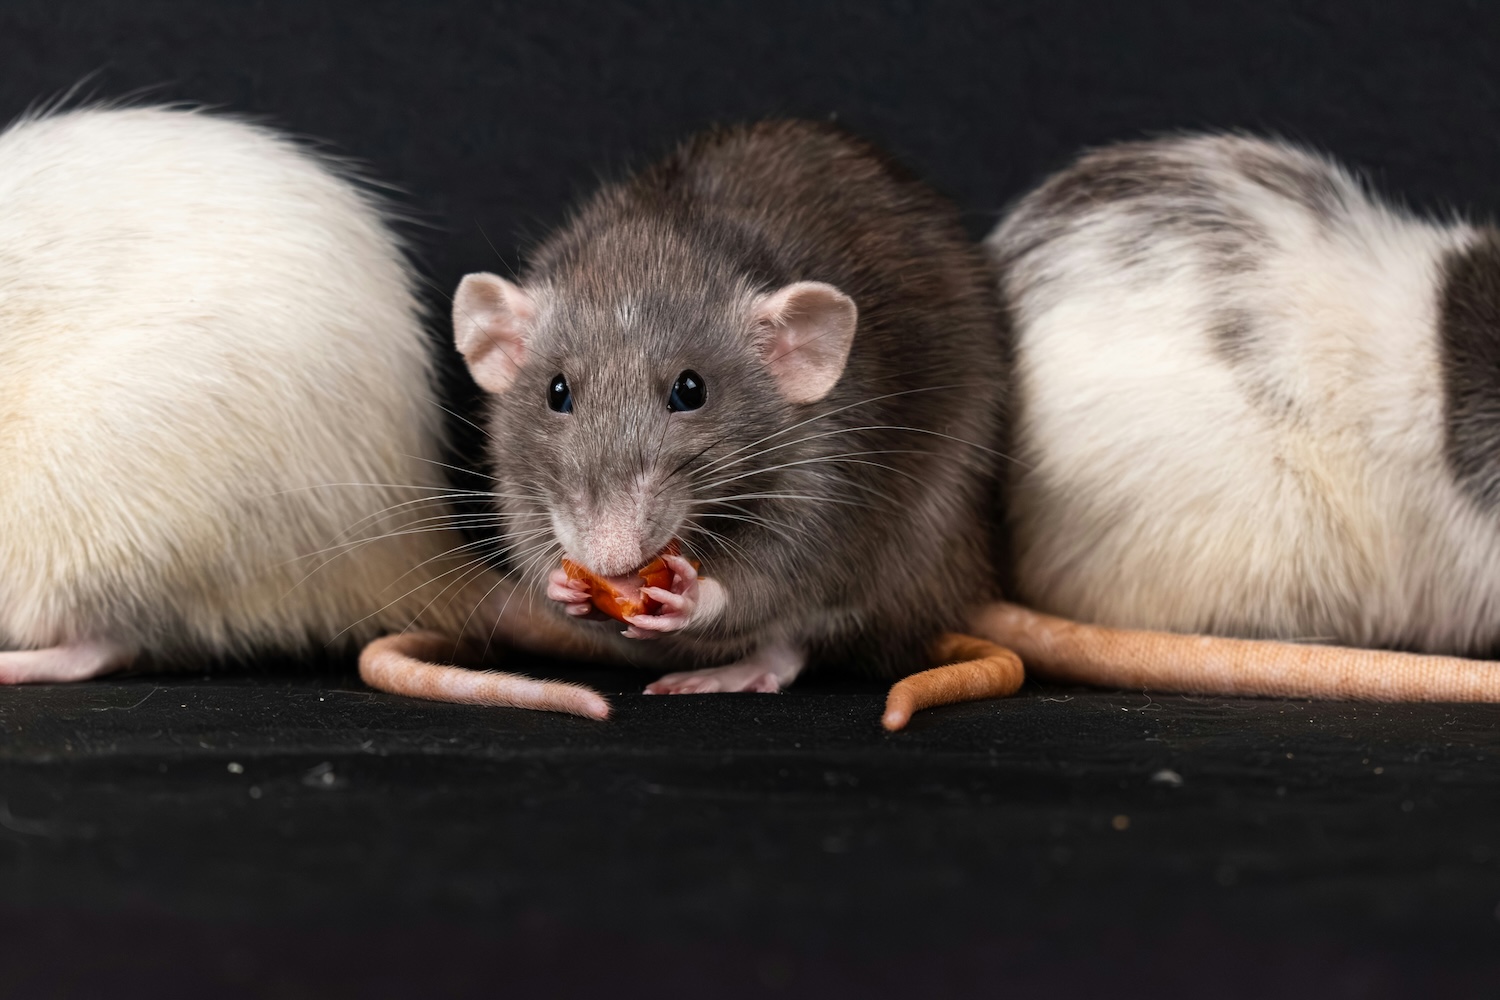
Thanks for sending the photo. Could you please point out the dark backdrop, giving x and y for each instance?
(495, 116)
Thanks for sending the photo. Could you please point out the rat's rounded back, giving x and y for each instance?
(213, 376)
(1252, 399)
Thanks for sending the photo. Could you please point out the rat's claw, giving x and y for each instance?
(686, 574)
(634, 633)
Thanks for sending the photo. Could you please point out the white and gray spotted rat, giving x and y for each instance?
(217, 427)
(1253, 400)
(778, 349)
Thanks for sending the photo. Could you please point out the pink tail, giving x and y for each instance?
(1059, 650)
(400, 664)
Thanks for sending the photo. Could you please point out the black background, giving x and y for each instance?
(776, 846)
(494, 117)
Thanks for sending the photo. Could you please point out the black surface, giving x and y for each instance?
(768, 844)
(754, 845)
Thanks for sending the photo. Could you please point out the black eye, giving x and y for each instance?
(559, 396)
(688, 392)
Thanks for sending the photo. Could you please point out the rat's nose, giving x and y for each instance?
(610, 543)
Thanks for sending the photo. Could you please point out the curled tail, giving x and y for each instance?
(971, 669)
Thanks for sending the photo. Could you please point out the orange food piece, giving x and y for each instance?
(620, 597)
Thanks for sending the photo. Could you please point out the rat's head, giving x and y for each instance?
(616, 388)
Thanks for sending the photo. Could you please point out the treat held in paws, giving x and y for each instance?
(666, 584)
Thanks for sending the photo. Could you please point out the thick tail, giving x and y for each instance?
(1059, 650)
(972, 669)
(400, 664)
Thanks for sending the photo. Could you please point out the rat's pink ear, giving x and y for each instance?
(491, 323)
(806, 330)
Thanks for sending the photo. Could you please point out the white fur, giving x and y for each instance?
(207, 338)
(1299, 493)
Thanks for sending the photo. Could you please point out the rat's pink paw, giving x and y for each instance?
(676, 612)
(652, 626)
(736, 677)
(570, 593)
(767, 671)
(678, 604)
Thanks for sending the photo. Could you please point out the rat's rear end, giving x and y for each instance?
(214, 400)
(1234, 364)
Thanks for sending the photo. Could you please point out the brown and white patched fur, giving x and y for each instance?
(213, 376)
(1252, 399)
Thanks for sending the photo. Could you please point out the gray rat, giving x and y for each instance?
(777, 349)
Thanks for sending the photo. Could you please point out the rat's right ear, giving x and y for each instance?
(491, 324)
(805, 331)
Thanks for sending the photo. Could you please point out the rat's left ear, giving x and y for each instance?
(805, 331)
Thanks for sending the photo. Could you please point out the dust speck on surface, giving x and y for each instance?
(235, 767)
(1167, 776)
(1120, 822)
(322, 776)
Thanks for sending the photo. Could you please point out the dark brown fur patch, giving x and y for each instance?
(1469, 349)
(1308, 183)
(1162, 188)
(1234, 336)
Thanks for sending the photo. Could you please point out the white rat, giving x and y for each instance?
(217, 428)
(1253, 400)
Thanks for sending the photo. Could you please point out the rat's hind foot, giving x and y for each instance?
(766, 671)
(76, 661)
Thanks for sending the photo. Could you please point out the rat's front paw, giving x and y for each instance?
(691, 599)
(572, 594)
